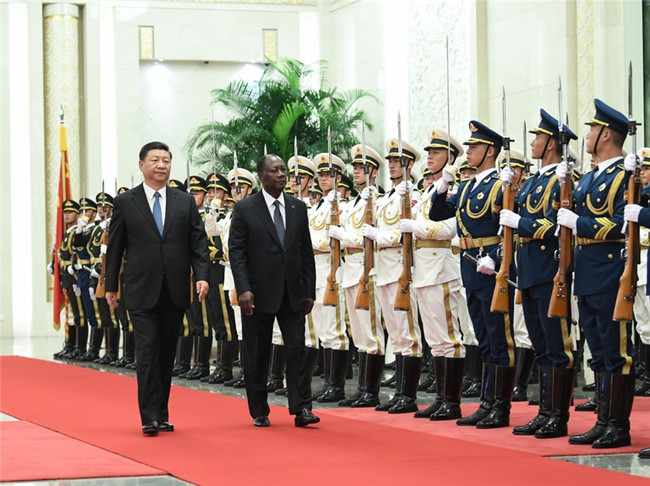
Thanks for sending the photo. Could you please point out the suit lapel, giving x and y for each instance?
(140, 199)
(264, 216)
(290, 212)
(170, 207)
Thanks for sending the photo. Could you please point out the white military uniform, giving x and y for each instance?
(641, 302)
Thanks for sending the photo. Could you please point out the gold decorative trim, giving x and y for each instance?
(145, 33)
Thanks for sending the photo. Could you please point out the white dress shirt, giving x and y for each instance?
(151, 199)
(270, 200)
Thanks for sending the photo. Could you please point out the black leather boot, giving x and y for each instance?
(336, 389)
(499, 416)
(374, 371)
(238, 381)
(407, 403)
(201, 368)
(183, 355)
(327, 367)
(644, 386)
(603, 393)
(453, 385)
(487, 397)
(429, 379)
(562, 393)
(112, 340)
(217, 362)
(80, 343)
(195, 351)
(68, 344)
(361, 382)
(621, 397)
(94, 345)
(399, 368)
(545, 403)
(228, 350)
(474, 371)
(276, 368)
(438, 363)
(524, 359)
(590, 405)
(310, 361)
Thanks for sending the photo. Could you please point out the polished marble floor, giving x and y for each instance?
(43, 348)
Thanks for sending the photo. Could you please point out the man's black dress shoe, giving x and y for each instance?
(305, 417)
(150, 428)
(165, 427)
(262, 421)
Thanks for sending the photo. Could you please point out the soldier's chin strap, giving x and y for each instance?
(487, 147)
(602, 127)
(545, 147)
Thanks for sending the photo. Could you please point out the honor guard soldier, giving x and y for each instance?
(69, 281)
(475, 207)
(597, 221)
(329, 319)
(220, 313)
(437, 284)
(108, 317)
(534, 219)
(315, 194)
(641, 303)
(346, 188)
(365, 320)
(82, 242)
(302, 190)
(402, 325)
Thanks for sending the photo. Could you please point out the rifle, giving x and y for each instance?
(331, 296)
(403, 297)
(500, 301)
(624, 308)
(101, 282)
(363, 294)
(296, 171)
(559, 305)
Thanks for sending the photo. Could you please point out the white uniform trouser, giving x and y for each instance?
(438, 308)
(365, 325)
(642, 314)
(402, 326)
(330, 322)
(311, 339)
(237, 311)
(466, 326)
(522, 340)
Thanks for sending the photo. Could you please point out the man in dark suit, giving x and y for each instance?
(273, 266)
(160, 234)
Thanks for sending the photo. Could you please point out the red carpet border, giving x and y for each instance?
(216, 443)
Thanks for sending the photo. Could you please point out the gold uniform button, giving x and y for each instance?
(595, 226)
(543, 247)
(610, 256)
(583, 204)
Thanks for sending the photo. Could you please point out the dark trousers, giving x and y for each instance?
(257, 332)
(610, 342)
(551, 337)
(156, 332)
(493, 330)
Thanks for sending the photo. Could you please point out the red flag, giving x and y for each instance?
(59, 297)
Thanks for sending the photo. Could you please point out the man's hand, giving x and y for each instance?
(444, 182)
(111, 298)
(630, 162)
(331, 196)
(562, 170)
(509, 218)
(631, 213)
(506, 176)
(336, 232)
(91, 292)
(246, 302)
(568, 218)
(485, 265)
(406, 225)
(368, 231)
(202, 288)
(309, 305)
(367, 193)
(94, 274)
(81, 224)
(402, 188)
(50, 268)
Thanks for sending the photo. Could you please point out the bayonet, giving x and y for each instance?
(582, 156)
(295, 166)
(506, 140)
(329, 155)
(402, 162)
(236, 167)
(366, 168)
(525, 136)
(187, 169)
(448, 107)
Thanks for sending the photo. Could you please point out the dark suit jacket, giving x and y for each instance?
(149, 256)
(259, 263)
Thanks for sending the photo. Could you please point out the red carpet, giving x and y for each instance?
(29, 452)
(216, 443)
(521, 413)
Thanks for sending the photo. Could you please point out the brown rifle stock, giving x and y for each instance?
(101, 283)
(331, 296)
(403, 297)
(624, 308)
(500, 302)
(363, 294)
(559, 305)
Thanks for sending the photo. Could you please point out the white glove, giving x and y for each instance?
(78, 266)
(562, 170)
(632, 211)
(70, 270)
(368, 231)
(336, 232)
(485, 265)
(50, 268)
(104, 224)
(630, 162)
(331, 196)
(506, 176)
(103, 248)
(367, 193)
(91, 291)
(567, 218)
(445, 181)
(402, 188)
(406, 225)
(81, 224)
(509, 218)
(76, 290)
(94, 274)
(215, 205)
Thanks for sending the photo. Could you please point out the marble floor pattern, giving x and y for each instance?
(44, 347)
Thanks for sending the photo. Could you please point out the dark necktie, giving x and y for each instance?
(157, 212)
(279, 224)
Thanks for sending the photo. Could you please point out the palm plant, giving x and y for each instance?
(270, 112)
